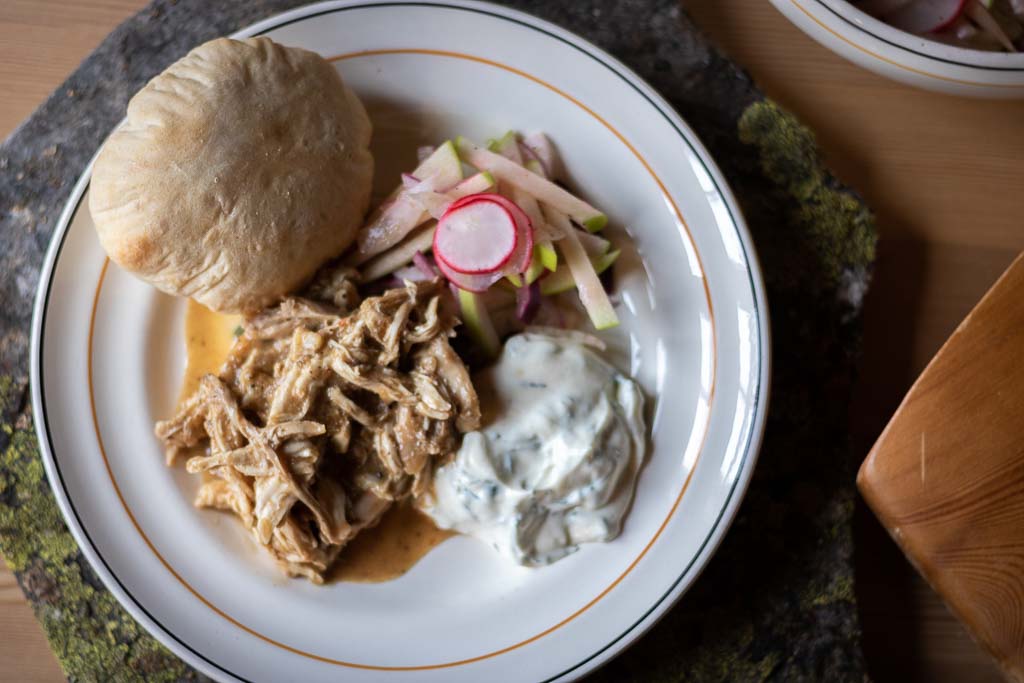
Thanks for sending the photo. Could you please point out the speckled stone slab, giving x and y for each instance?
(775, 603)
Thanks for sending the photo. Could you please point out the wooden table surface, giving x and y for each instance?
(943, 175)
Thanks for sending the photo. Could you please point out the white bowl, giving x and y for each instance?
(905, 57)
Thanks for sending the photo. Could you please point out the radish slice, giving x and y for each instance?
(540, 189)
(520, 261)
(476, 237)
(471, 283)
(926, 16)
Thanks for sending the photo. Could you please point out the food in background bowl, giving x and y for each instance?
(974, 24)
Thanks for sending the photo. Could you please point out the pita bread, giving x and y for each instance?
(237, 172)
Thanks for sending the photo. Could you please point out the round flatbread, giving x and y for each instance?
(238, 171)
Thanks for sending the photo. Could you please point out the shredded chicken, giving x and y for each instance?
(323, 416)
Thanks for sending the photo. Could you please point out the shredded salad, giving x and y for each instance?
(496, 222)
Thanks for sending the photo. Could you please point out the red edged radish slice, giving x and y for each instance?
(471, 283)
(540, 189)
(926, 16)
(520, 261)
(476, 237)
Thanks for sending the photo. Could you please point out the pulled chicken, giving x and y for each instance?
(326, 412)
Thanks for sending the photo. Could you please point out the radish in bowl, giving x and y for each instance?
(977, 24)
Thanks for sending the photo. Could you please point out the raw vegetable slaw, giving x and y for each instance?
(499, 227)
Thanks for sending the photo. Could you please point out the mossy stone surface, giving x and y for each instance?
(775, 603)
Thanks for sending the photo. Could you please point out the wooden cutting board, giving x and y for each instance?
(946, 477)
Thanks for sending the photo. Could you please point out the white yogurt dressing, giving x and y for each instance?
(557, 461)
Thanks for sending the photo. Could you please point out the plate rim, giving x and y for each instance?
(758, 410)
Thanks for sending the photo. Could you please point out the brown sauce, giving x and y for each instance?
(208, 338)
(385, 552)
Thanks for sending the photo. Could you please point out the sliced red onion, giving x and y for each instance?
(529, 154)
(409, 181)
(425, 264)
(527, 302)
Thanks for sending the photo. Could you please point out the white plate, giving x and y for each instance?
(108, 356)
(905, 57)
